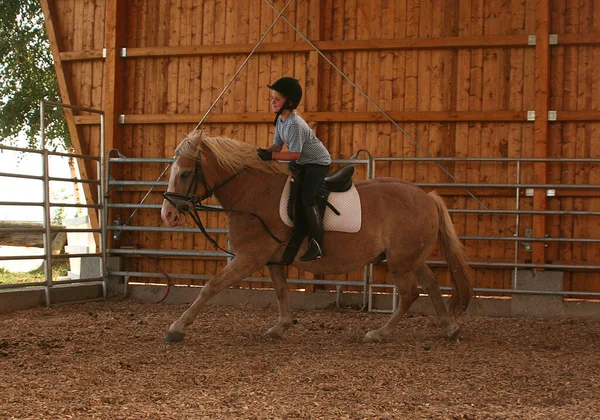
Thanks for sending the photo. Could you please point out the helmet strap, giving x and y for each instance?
(283, 107)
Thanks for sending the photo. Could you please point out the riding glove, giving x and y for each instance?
(264, 154)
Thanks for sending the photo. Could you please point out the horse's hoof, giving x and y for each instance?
(453, 333)
(174, 336)
(276, 332)
(371, 337)
(274, 335)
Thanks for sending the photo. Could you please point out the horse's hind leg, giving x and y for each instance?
(408, 292)
(281, 290)
(430, 285)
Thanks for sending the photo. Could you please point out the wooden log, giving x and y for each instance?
(32, 238)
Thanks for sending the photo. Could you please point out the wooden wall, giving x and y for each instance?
(459, 77)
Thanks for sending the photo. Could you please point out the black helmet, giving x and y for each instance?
(290, 88)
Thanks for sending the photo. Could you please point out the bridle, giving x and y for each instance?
(191, 203)
(185, 202)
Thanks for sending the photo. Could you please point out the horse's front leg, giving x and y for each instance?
(238, 269)
(281, 290)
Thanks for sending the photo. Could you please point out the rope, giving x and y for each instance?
(280, 15)
(163, 272)
(376, 105)
(260, 41)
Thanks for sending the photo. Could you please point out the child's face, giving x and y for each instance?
(277, 101)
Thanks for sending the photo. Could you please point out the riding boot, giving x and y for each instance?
(315, 227)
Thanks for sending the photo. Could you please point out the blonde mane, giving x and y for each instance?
(232, 155)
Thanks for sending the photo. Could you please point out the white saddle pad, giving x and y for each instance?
(347, 203)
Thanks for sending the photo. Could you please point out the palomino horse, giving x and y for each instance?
(400, 223)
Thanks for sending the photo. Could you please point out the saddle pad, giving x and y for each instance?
(347, 203)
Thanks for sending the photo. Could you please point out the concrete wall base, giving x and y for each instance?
(538, 306)
(528, 305)
(502, 307)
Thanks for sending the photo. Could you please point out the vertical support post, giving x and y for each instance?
(103, 210)
(542, 95)
(113, 96)
(517, 223)
(47, 226)
(47, 236)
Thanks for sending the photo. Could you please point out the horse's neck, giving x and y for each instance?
(249, 189)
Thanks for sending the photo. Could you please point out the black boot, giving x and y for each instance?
(315, 227)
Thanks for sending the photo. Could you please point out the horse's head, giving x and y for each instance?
(221, 158)
(181, 182)
(187, 185)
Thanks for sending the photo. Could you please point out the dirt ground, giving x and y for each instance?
(108, 360)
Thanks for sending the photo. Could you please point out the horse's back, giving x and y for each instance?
(393, 189)
(397, 204)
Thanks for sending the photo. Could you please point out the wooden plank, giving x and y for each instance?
(325, 46)
(411, 91)
(112, 82)
(51, 20)
(476, 27)
(461, 148)
(331, 46)
(542, 84)
(344, 116)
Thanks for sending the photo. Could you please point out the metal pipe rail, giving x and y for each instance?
(47, 204)
(370, 163)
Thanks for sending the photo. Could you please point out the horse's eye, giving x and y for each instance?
(186, 174)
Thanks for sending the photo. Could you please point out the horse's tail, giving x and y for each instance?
(455, 254)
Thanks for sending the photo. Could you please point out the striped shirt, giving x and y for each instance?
(295, 133)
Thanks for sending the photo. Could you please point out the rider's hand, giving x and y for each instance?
(264, 154)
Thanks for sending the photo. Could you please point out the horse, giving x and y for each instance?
(400, 223)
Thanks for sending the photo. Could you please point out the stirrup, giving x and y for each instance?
(314, 252)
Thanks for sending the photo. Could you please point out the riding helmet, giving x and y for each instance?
(290, 88)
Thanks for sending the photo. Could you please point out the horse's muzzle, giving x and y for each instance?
(182, 203)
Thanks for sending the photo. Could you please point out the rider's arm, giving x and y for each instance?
(274, 148)
(279, 155)
(286, 155)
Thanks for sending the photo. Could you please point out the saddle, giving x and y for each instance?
(339, 181)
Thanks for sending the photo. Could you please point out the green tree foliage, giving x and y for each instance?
(27, 75)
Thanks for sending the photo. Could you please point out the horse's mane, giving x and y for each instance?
(232, 155)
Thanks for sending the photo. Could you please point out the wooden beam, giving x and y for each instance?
(30, 234)
(579, 39)
(542, 99)
(324, 46)
(433, 116)
(311, 116)
(50, 20)
(578, 116)
(114, 72)
(113, 98)
(65, 91)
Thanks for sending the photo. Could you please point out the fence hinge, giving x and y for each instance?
(103, 52)
(527, 244)
(553, 39)
(530, 115)
(529, 192)
(550, 192)
(552, 115)
(122, 119)
(123, 52)
(531, 40)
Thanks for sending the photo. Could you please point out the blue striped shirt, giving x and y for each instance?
(295, 133)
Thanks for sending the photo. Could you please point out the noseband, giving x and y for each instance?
(191, 203)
